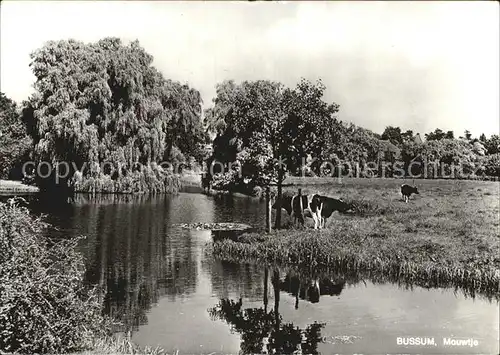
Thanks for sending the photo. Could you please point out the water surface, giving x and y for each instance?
(167, 291)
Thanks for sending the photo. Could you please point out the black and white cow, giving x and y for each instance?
(311, 289)
(319, 207)
(407, 190)
(330, 205)
(300, 206)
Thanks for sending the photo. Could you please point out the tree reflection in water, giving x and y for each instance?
(264, 332)
(310, 288)
(136, 258)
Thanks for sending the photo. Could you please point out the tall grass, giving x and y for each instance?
(119, 345)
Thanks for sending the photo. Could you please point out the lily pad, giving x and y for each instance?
(341, 339)
(220, 226)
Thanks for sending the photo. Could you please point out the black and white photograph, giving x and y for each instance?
(249, 177)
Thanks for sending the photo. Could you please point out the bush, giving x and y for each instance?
(44, 306)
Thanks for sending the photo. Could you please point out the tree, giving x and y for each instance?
(412, 156)
(393, 134)
(492, 165)
(105, 103)
(185, 129)
(311, 127)
(15, 145)
(492, 145)
(482, 138)
(273, 127)
(257, 324)
(357, 146)
(467, 135)
(449, 135)
(436, 135)
(407, 136)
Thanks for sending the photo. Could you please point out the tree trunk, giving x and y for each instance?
(276, 286)
(266, 277)
(268, 209)
(277, 222)
(168, 151)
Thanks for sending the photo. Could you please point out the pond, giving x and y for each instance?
(168, 291)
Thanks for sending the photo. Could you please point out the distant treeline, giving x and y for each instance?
(261, 123)
(105, 102)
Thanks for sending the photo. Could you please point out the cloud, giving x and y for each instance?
(417, 65)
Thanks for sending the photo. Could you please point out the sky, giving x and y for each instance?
(416, 65)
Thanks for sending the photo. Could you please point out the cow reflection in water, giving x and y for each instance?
(263, 332)
(311, 289)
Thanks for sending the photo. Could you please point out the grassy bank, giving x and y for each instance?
(446, 236)
(190, 178)
(9, 186)
(113, 345)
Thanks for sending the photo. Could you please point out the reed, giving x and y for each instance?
(119, 345)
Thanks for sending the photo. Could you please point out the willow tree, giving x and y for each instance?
(102, 103)
(275, 127)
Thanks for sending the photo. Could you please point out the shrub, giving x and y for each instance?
(44, 306)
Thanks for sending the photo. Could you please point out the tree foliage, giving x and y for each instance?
(105, 102)
(492, 144)
(438, 135)
(407, 136)
(257, 123)
(262, 122)
(491, 165)
(14, 142)
(393, 134)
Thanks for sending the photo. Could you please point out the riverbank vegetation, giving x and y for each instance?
(448, 236)
(45, 307)
(12, 187)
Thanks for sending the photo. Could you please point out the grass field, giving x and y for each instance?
(446, 236)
